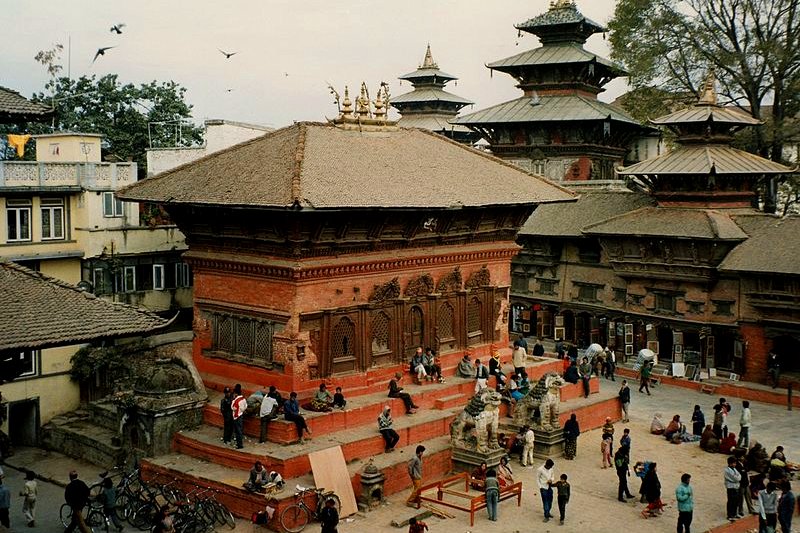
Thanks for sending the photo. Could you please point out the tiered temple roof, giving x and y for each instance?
(16, 108)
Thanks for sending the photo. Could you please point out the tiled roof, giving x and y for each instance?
(670, 222)
(557, 17)
(553, 54)
(707, 113)
(546, 109)
(39, 311)
(702, 160)
(15, 106)
(567, 220)
(432, 122)
(771, 248)
(427, 73)
(321, 166)
(429, 94)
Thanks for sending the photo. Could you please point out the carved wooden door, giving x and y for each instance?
(415, 327)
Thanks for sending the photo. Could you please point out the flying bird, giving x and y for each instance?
(117, 28)
(226, 54)
(101, 52)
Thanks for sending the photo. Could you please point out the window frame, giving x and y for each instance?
(125, 270)
(17, 206)
(159, 274)
(53, 205)
(116, 209)
(182, 275)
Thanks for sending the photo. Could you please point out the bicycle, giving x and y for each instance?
(296, 516)
(95, 517)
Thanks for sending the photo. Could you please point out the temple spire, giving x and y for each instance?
(428, 62)
(708, 93)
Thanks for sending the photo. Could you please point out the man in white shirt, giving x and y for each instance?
(545, 477)
(269, 410)
(745, 421)
(527, 450)
(238, 406)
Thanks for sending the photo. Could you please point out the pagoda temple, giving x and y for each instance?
(429, 106)
(558, 128)
(685, 266)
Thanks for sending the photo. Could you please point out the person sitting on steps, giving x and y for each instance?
(418, 366)
(291, 412)
(396, 391)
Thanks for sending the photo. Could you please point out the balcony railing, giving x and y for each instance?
(34, 175)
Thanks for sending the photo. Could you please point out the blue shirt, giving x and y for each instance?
(291, 407)
(5, 497)
(685, 497)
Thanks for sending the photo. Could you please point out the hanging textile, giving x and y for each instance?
(18, 142)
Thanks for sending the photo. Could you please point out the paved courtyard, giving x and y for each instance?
(594, 507)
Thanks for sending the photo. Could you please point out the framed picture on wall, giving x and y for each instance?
(559, 321)
(526, 328)
(629, 339)
(653, 346)
(678, 349)
(628, 329)
(629, 349)
(559, 333)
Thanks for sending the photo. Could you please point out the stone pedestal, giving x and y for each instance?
(548, 443)
(371, 487)
(468, 460)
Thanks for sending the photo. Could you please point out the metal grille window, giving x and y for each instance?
(342, 343)
(380, 333)
(474, 333)
(249, 338)
(446, 315)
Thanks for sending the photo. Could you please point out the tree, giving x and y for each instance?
(124, 113)
(753, 45)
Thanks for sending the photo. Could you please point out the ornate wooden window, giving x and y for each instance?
(446, 327)
(474, 331)
(244, 338)
(343, 340)
(381, 334)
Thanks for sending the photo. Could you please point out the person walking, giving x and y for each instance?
(5, 503)
(227, 415)
(652, 492)
(768, 509)
(621, 463)
(267, 413)
(545, 479)
(29, 493)
(396, 391)
(492, 490)
(527, 449)
(685, 499)
(238, 406)
(745, 421)
(571, 432)
(625, 439)
(605, 450)
(562, 491)
(611, 363)
(644, 377)
(732, 478)
(108, 499)
(390, 436)
(786, 507)
(291, 412)
(698, 421)
(414, 468)
(625, 399)
(76, 494)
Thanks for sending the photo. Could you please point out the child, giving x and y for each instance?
(605, 449)
(492, 493)
(108, 497)
(415, 526)
(329, 517)
(562, 486)
(338, 399)
(29, 492)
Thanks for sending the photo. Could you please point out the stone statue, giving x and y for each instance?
(476, 427)
(544, 398)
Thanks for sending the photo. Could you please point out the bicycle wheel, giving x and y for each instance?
(144, 516)
(294, 518)
(224, 516)
(329, 496)
(96, 521)
(124, 506)
(65, 514)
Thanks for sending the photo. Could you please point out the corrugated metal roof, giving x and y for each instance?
(431, 122)
(705, 159)
(567, 220)
(427, 73)
(771, 248)
(546, 109)
(429, 94)
(706, 113)
(320, 166)
(670, 222)
(553, 54)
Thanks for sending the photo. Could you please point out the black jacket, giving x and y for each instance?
(76, 494)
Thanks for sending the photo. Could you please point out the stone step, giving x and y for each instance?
(193, 472)
(292, 461)
(104, 413)
(83, 439)
(449, 402)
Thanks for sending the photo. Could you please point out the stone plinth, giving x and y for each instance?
(548, 443)
(371, 487)
(468, 460)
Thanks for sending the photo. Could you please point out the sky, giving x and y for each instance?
(287, 51)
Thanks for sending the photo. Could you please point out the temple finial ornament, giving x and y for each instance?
(560, 4)
(428, 62)
(363, 114)
(347, 104)
(708, 93)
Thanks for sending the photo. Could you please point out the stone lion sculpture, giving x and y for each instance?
(476, 427)
(543, 399)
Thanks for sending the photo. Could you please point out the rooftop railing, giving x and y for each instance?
(34, 175)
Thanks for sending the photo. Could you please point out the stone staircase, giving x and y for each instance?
(90, 433)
